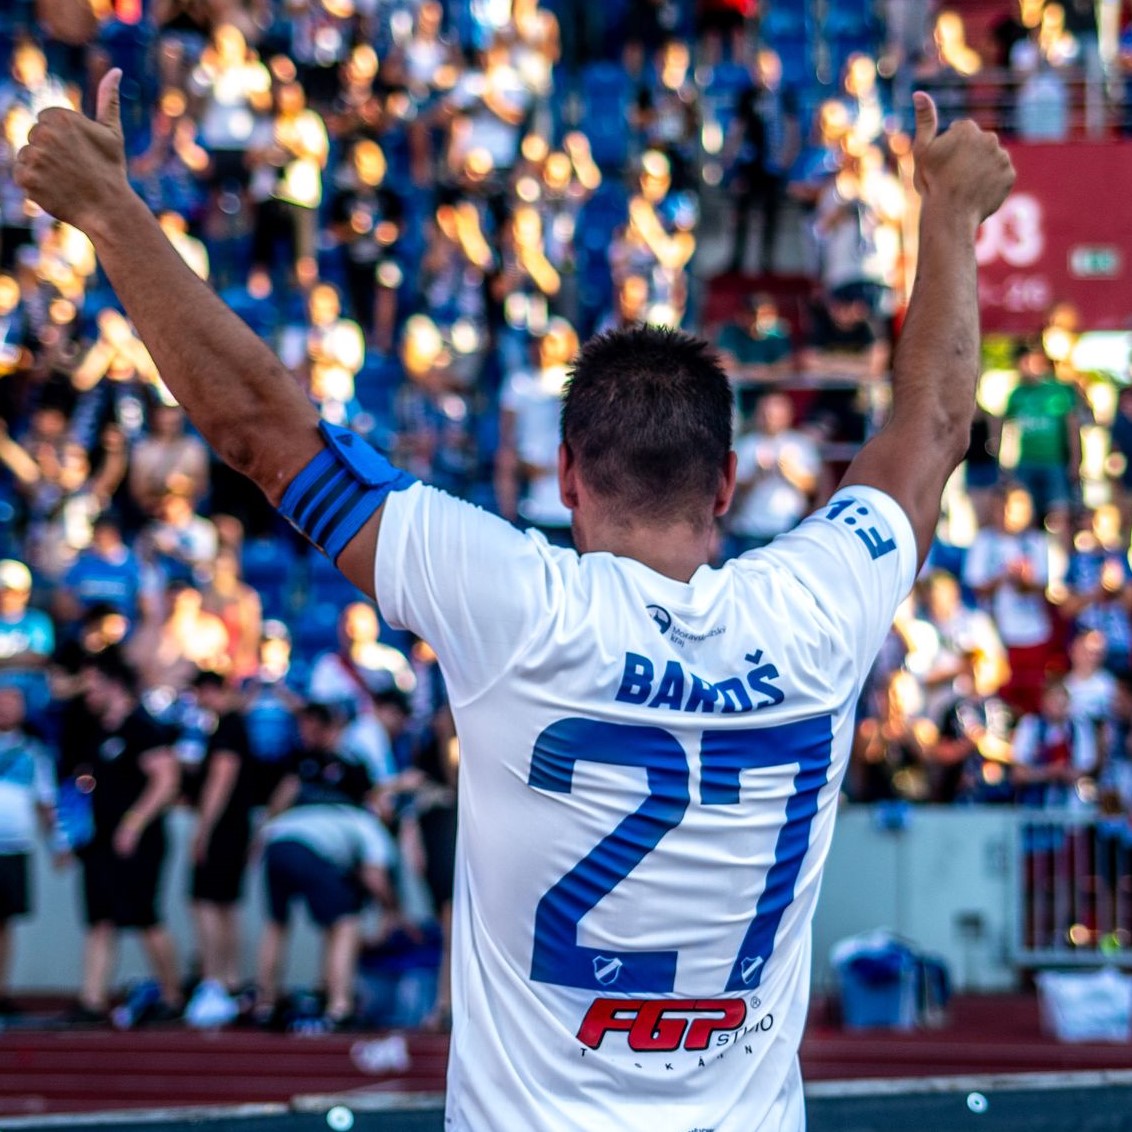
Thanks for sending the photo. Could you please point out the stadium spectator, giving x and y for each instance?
(223, 800)
(367, 218)
(1040, 430)
(858, 218)
(946, 69)
(1091, 687)
(890, 749)
(31, 86)
(961, 632)
(286, 184)
(166, 460)
(171, 173)
(756, 350)
(234, 88)
(433, 411)
(239, 607)
(27, 806)
(105, 573)
(184, 543)
(764, 144)
(1121, 466)
(349, 677)
(118, 745)
(972, 754)
(27, 638)
(269, 708)
(776, 476)
(526, 461)
(842, 342)
(332, 857)
(1052, 752)
(1096, 591)
(1008, 568)
(334, 349)
(168, 650)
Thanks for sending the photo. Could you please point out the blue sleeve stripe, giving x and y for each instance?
(338, 483)
(322, 476)
(333, 511)
(332, 498)
(340, 536)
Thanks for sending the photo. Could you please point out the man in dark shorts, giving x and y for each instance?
(219, 853)
(128, 757)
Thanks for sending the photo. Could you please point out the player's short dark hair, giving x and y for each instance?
(647, 418)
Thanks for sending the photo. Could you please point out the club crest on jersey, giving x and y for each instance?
(661, 616)
(607, 970)
(749, 968)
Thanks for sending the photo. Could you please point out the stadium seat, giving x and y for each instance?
(325, 585)
(268, 566)
(316, 630)
(605, 104)
(786, 19)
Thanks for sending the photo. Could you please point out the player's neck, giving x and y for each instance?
(676, 550)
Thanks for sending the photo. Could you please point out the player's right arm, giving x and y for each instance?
(962, 177)
(236, 391)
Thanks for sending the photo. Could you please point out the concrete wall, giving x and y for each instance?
(944, 882)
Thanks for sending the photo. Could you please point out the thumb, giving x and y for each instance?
(927, 120)
(107, 110)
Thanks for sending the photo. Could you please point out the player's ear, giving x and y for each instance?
(567, 477)
(726, 485)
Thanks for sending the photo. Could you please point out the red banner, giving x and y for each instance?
(1064, 234)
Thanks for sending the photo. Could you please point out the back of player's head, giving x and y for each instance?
(647, 418)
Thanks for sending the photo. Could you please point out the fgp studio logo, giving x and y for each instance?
(661, 616)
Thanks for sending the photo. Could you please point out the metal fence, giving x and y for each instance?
(1073, 889)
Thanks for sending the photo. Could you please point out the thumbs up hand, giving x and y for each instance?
(74, 167)
(964, 169)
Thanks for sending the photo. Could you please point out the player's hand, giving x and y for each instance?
(964, 169)
(74, 167)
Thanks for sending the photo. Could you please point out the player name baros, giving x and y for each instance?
(674, 688)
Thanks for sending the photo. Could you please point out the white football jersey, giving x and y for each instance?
(648, 782)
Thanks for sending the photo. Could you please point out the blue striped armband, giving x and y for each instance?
(330, 500)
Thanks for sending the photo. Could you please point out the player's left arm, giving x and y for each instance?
(235, 390)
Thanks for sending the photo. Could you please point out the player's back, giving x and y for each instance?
(649, 772)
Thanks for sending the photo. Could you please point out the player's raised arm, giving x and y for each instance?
(962, 176)
(236, 391)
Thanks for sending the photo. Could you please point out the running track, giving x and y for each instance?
(42, 1071)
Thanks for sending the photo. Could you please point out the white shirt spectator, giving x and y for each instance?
(1022, 617)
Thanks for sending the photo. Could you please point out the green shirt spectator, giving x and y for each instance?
(1042, 413)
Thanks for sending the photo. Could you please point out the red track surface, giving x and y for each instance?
(83, 1071)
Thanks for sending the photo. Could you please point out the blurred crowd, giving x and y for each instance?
(423, 207)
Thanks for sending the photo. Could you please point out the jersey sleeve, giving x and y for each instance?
(467, 582)
(857, 557)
